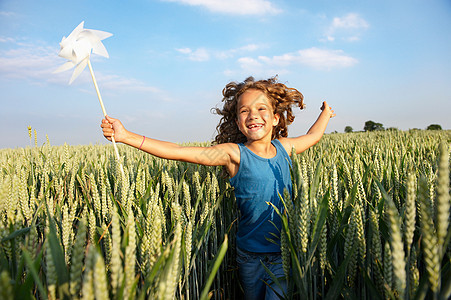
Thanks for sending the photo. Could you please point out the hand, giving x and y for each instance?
(113, 127)
(327, 109)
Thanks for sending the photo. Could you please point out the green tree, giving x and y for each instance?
(434, 127)
(348, 129)
(373, 126)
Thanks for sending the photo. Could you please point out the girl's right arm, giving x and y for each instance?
(227, 155)
(314, 134)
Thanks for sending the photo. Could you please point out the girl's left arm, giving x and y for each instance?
(313, 135)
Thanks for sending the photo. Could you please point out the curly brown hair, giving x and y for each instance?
(281, 97)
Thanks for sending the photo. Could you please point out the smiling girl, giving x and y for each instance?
(253, 146)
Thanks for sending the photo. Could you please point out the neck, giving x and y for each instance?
(262, 148)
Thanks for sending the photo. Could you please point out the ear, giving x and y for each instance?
(276, 120)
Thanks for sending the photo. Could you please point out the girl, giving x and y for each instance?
(253, 146)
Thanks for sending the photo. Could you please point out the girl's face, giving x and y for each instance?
(255, 116)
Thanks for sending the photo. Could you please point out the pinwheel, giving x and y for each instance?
(77, 48)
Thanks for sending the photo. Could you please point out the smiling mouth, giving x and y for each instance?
(255, 126)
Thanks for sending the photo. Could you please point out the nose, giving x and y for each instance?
(252, 114)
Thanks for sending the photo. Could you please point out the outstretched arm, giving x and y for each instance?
(313, 135)
(218, 155)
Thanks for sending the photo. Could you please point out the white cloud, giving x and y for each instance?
(36, 63)
(184, 50)
(6, 39)
(319, 58)
(313, 57)
(250, 62)
(349, 28)
(234, 7)
(202, 54)
(260, 66)
(232, 52)
(27, 63)
(351, 20)
(250, 47)
(119, 84)
(7, 14)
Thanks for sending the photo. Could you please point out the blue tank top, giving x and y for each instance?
(258, 181)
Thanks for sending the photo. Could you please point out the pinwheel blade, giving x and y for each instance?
(81, 66)
(72, 36)
(99, 49)
(101, 34)
(67, 66)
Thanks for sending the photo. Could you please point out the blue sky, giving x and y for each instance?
(386, 61)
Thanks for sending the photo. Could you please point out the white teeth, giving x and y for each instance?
(254, 126)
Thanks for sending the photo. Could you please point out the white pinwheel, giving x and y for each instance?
(77, 48)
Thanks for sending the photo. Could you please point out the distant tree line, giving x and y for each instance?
(374, 126)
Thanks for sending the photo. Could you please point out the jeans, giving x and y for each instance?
(253, 276)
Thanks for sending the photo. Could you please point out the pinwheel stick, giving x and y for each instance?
(104, 114)
(97, 87)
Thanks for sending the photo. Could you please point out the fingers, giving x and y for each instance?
(326, 107)
(107, 128)
(332, 112)
(107, 122)
(108, 133)
(109, 119)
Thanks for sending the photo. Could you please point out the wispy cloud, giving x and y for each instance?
(203, 54)
(234, 7)
(33, 63)
(200, 54)
(348, 27)
(6, 39)
(315, 58)
(119, 84)
(237, 51)
(36, 63)
(7, 13)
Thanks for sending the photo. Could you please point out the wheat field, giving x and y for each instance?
(368, 219)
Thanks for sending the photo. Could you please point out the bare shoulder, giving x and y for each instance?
(216, 155)
(232, 150)
(286, 144)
